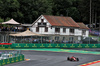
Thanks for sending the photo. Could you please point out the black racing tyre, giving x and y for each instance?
(68, 58)
(77, 59)
(71, 59)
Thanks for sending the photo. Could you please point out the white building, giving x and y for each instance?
(60, 28)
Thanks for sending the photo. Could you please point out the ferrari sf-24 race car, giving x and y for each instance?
(73, 58)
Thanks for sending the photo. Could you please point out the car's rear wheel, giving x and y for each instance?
(68, 58)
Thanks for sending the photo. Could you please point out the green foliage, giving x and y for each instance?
(32, 9)
(84, 9)
(74, 13)
(60, 7)
(1, 20)
(8, 8)
(7, 19)
(26, 11)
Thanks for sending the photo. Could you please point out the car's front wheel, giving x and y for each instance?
(77, 59)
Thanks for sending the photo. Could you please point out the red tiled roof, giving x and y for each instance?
(61, 21)
(82, 26)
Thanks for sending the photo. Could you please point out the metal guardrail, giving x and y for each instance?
(11, 57)
(11, 54)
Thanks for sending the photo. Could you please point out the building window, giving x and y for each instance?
(71, 30)
(51, 27)
(37, 29)
(44, 24)
(83, 32)
(56, 38)
(46, 29)
(63, 38)
(64, 30)
(42, 20)
(39, 24)
(57, 30)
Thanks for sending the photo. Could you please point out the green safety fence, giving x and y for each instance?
(5, 46)
(12, 60)
(49, 45)
(45, 45)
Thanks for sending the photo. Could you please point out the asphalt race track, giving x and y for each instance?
(45, 58)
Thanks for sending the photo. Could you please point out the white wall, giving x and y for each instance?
(78, 32)
(87, 33)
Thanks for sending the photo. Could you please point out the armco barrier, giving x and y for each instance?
(11, 60)
(44, 45)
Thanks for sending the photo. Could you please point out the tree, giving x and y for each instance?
(84, 9)
(32, 9)
(74, 13)
(60, 7)
(8, 8)
(27, 11)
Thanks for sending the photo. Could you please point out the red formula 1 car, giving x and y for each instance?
(72, 58)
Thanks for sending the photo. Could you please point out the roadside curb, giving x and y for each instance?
(90, 63)
(27, 59)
